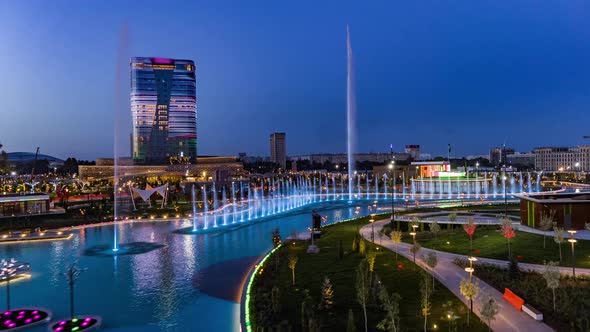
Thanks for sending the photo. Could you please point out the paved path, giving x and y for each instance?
(450, 275)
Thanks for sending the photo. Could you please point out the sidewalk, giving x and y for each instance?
(450, 275)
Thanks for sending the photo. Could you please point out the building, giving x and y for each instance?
(414, 151)
(216, 168)
(22, 158)
(570, 210)
(278, 149)
(163, 110)
(342, 158)
(522, 159)
(429, 169)
(563, 159)
(498, 155)
(15, 205)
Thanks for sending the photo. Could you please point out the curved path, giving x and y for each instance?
(450, 275)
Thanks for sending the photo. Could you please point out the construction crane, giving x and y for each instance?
(34, 163)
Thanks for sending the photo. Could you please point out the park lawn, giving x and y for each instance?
(489, 242)
(310, 272)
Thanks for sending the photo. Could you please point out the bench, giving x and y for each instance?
(513, 299)
(529, 310)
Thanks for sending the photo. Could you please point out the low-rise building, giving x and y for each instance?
(563, 159)
(570, 210)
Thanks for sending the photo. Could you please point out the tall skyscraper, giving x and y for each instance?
(278, 149)
(163, 110)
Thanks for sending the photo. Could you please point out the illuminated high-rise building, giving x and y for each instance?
(163, 110)
(278, 149)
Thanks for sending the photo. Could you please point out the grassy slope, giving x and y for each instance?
(311, 269)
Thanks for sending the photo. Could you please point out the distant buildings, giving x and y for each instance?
(563, 159)
(414, 151)
(278, 149)
(521, 159)
(342, 158)
(498, 155)
(163, 110)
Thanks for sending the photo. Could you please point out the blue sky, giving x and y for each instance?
(471, 73)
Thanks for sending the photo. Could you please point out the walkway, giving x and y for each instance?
(450, 275)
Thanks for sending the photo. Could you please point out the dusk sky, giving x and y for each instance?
(474, 74)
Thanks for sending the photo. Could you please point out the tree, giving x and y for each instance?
(545, 223)
(362, 247)
(350, 327)
(415, 248)
(390, 305)
(396, 237)
(587, 226)
(469, 228)
(425, 304)
(452, 217)
(489, 309)
(469, 290)
(434, 229)
(371, 255)
(552, 275)
(508, 232)
(307, 312)
(276, 241)
(292, 264)
(355, 243)
(275, 298)
(431, 260)
(363, 288)
(327, 295)
(559, 238)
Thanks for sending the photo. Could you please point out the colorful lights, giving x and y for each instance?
(17, 319)
(76, 324)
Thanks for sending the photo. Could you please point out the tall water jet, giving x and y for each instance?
(350, 111)
(194, 202)
(205, 208)
(121, 106)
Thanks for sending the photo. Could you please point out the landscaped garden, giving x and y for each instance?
(490, 242)
(569, 310)
(308, 292)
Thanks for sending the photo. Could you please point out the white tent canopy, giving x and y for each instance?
(146, 193)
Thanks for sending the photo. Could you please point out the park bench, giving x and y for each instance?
(529, 310)
(513, 299)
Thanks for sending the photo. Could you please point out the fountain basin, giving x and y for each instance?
(133, 248)
(85, 323)
(17, 319)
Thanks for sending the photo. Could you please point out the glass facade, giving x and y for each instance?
(163, 110)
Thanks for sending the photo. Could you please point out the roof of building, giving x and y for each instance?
(443, 162)
(556, 198)
(29, 156)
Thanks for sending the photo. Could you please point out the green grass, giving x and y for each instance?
(311, 270)
(489, 242)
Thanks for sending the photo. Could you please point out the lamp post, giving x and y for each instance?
(470, 270)
(413, 233)
(372, 221)
(505, 198)
(573, 242)
(390, 167)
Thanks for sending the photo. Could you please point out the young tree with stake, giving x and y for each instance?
(551, 275)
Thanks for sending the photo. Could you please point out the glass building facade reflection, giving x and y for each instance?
(163, 110)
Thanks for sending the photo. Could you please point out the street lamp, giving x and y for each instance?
(573, 242)
(413, 233)
(470, 270)
(372, 221)
(505, 198)
(390, 167)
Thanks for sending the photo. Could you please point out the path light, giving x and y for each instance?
(573, 242)
(470, 269)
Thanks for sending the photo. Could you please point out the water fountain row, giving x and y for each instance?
(241, 202)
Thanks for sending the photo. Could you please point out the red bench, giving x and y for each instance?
(513, 299)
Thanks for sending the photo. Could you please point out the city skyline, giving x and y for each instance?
(475, 85)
